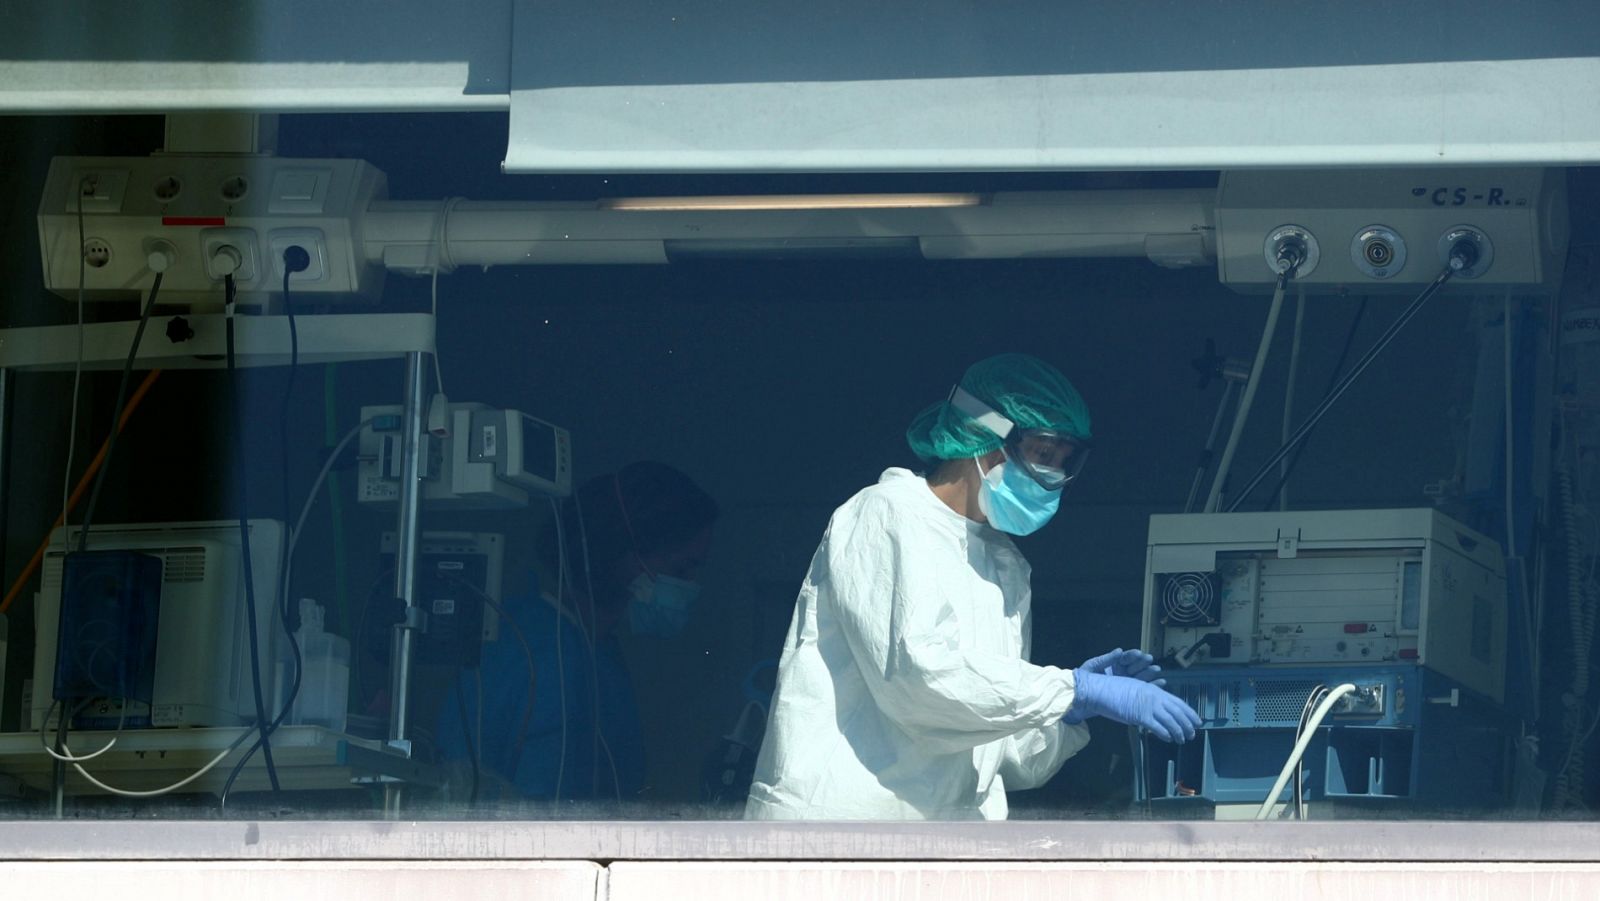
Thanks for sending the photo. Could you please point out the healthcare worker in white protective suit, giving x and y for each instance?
(905, 691)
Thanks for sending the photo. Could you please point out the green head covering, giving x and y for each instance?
(1026, 390)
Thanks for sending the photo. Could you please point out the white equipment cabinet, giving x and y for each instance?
(1328, 588)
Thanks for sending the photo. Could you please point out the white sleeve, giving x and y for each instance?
(887, 576)
(1032, 757)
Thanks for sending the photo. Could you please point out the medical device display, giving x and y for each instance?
(490, 459)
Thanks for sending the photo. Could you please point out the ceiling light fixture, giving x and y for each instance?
(793, 202)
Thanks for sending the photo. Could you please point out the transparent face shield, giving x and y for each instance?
(1050, 458)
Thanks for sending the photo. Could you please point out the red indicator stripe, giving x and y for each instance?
(194, 221)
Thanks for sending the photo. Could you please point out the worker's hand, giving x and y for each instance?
(1128, 700)
(1134, 663)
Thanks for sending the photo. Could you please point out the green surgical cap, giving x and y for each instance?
(1026, 390)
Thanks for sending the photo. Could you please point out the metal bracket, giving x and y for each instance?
(388, 765)
(1288, 545)
(416, 620)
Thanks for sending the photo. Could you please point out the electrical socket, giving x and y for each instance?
(242, 240)
(96, 253)
(103, 190)
(159, 252)
(312, 241)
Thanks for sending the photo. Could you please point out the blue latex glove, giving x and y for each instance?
(1128, 700)
(1135, 663)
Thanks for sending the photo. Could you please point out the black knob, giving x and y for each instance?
(179, 330)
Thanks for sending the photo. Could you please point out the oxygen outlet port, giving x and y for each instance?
(1466, 251)
(1291, 249)
(1378, 251)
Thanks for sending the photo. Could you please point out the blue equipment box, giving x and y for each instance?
(1413, 737)
(106, 643)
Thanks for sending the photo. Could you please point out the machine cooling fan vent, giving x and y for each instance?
(1282, 701)
(183, 564)
(1189, 599)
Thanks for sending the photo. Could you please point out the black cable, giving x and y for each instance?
(286, 591)
(1344, 384)
(284, 575)
(262, 725)
(116, 420)
(1333, 379)
(59, 770)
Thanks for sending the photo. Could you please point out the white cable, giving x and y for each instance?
(69, 757)
(1243, 412)
(441, 234)
(1300, 748)
(1288, 394)
(1300, 727)
(77, 363)
(311, 498)
(594, 667)
(244, 733)
(438, 374)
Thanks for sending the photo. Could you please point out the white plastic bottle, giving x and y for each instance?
(324, 696)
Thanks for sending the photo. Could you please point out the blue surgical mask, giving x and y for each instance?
(1013, 502)
(660, 605)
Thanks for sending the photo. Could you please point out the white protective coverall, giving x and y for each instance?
(904, 691)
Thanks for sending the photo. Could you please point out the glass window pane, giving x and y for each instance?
(373, 448)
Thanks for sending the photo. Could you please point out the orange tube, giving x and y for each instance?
(77, 493)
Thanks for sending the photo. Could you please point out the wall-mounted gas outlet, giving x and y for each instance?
(1290, 247)
(1466, 250)
(1381, 214)
(1378, 251)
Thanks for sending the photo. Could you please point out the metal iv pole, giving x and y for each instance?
(405, 571)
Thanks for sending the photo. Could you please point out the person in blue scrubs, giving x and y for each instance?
(633, 543)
